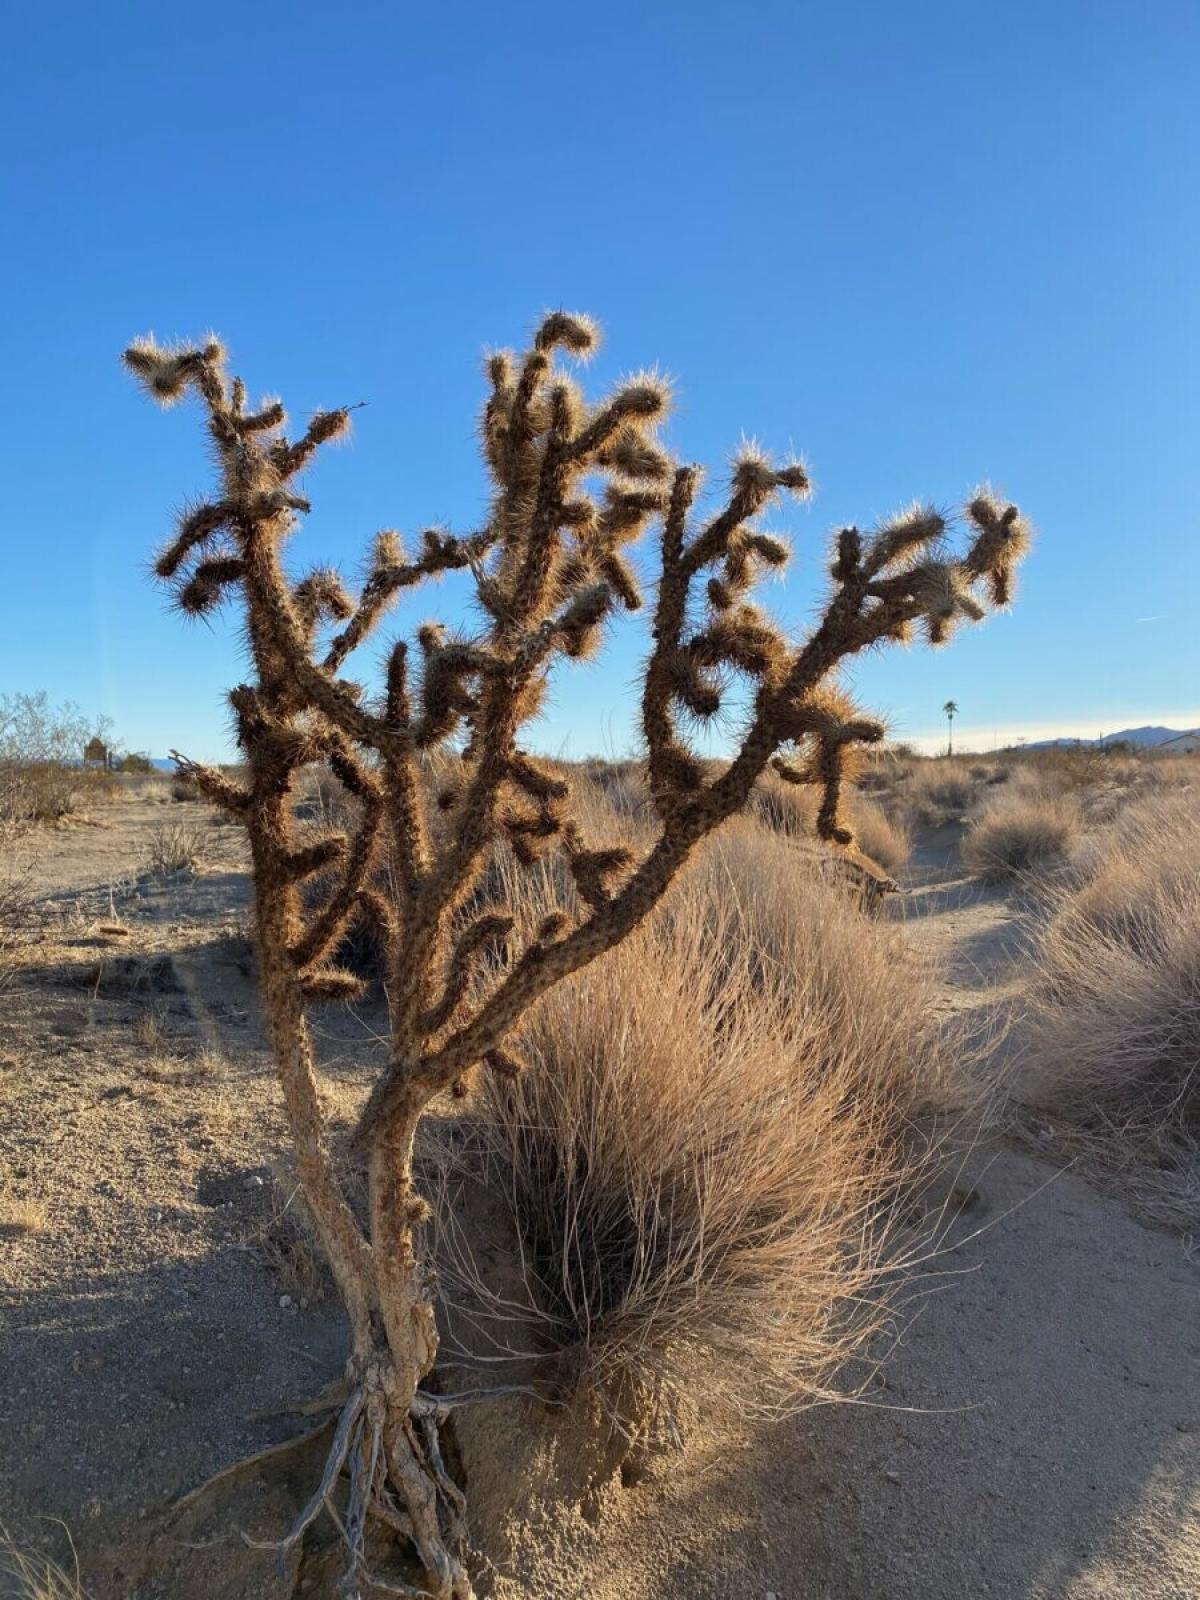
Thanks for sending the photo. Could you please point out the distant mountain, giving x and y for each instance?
(1146, 737)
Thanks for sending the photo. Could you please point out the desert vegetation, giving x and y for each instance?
(42, 771)
(626, 1105)
(702, 1211)
(1115, 1036)
(463, 971)
(599, 935)
(1020, 833)
(29, 1575)
(719, 1181)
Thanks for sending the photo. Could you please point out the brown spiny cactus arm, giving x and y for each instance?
(657, 722)
(214, 785)
(328, 924)
(539, 970)
(451, 875)
(441, 554)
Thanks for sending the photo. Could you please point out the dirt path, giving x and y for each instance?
(1037, 1436)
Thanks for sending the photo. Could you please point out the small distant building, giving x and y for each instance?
(1183, 744)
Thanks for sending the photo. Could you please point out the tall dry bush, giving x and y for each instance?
(1115, 1033)
(573, 486)
(703, 1158)
(943, 790)
(1021, 833)
(41, 756)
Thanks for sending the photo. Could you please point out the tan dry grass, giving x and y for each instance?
(703, 1158)
(940, 791)
(1019, 834)
(1116, 1025)
(289, 1241)
(29, 1575)
(21, 1218)
(177, 847)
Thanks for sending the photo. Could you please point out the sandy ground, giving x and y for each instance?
(1037, 1434)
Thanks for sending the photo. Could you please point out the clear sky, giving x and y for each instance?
(924, 244)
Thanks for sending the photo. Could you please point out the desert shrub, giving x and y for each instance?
(939, 791)
(622, 782)
(41, 753)
(1149, 847)
(1115, 1030)
(884, 838)
(1020, 834)
(886, 767)
(289, 1242)
(785, 808)
(1167, 773)
(702, 1158)
(134, 761)
(176, 847)
(1072, 767)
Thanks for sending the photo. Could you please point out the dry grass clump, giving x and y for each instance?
(1021, 834)
(623, 784)
(1116, 1024)
(942, 791)
(885, 768)
(29, 1575)
(20, 1218)
(1167, 773)
(702, 1160)
(176, 847)
(886, 839)
(1075, 767)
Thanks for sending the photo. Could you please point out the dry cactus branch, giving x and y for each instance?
(549, 569)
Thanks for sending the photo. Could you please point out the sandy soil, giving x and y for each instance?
(1037, 1433)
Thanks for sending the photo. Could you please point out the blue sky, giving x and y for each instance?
(924, 244)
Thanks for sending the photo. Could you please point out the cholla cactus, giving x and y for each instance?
(550, 567)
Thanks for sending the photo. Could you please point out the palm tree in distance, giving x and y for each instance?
(950, 708)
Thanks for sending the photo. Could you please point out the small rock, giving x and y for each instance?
(254, 1182)
(285, 1301)
(892, 1477)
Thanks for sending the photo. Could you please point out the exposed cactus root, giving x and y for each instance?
(388, 1482)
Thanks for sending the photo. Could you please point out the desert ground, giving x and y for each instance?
(1032, 1430)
